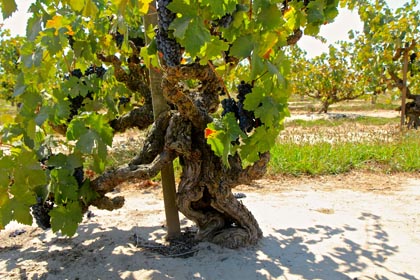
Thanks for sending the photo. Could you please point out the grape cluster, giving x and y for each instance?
(123, 100)
(77, 101)
(98, 70)
(41, 209)
(118, 38)
(71, 41)
(225, 21)
(166, 44)
(413, 57)
(40, 212)
(79, 175)
(247, 120)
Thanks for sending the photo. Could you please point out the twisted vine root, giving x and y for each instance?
(204, 193)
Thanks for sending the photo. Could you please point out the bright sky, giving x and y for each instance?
(338, 30)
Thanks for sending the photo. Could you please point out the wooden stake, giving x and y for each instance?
(167, 173)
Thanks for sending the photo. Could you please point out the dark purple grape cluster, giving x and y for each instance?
(79, 175)
(71, 41)
(123, 100)
(165, 15)
(77, 101)
(40, 212)
(76, 73)
(247, 120)
(229, 105)
(225, 21)
(98, 70)
(166, 44)
(118, 38)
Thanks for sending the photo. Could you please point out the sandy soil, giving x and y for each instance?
(352, 226)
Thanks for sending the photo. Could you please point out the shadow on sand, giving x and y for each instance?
(109, 253)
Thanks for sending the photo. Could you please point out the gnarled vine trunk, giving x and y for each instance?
(204, 193)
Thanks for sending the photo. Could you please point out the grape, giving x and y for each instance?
(243, 89)
(123, 100)
(40, 212)
(225, 21)
(77, 73)
(71, 41)
(413, 57)
(79, 175)
(170, 49)
(138, 41)
(229, 105)
(165, 16)
(167, 45)
(119, 39)
(99, 71)
(246, 118)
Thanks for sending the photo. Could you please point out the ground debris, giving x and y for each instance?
(17, 232)
(181, 247)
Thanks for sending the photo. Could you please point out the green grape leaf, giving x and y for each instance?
(63, 161)
(66, 218)
(257, 66)
(260, 141)
(242, 47)
(8, 7)
(180, 26)
(220, 8)
(191, 33)
(28, 171)
(90, 10)
(270, 17)
(213, 50)
(76, 129)
(221, 136)
(63, 185)
(184, 7)
(33, 27)
(6, 166)
(86, 193)
(76, 5)
(22, 212)
(315, 12)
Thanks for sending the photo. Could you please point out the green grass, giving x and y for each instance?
(323, 158)
(337, 122)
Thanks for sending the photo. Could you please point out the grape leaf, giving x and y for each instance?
(63, 185)
(270, 17)
(86, 193)
(260, 141)
(66, 218)
(242, 46)
(193, 36)
(8, 7)
(90, 10)
(223, 141)
(77, 5)
(220, 8)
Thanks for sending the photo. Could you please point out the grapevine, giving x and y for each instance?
(203, 51)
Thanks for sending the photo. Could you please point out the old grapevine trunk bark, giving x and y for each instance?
(204, 193)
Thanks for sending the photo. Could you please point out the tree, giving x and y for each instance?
(387, 37)
(83, 59)
(329, 78)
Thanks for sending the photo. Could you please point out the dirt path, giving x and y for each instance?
(353, 226)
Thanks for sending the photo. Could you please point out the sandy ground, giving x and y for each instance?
(352, 226)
